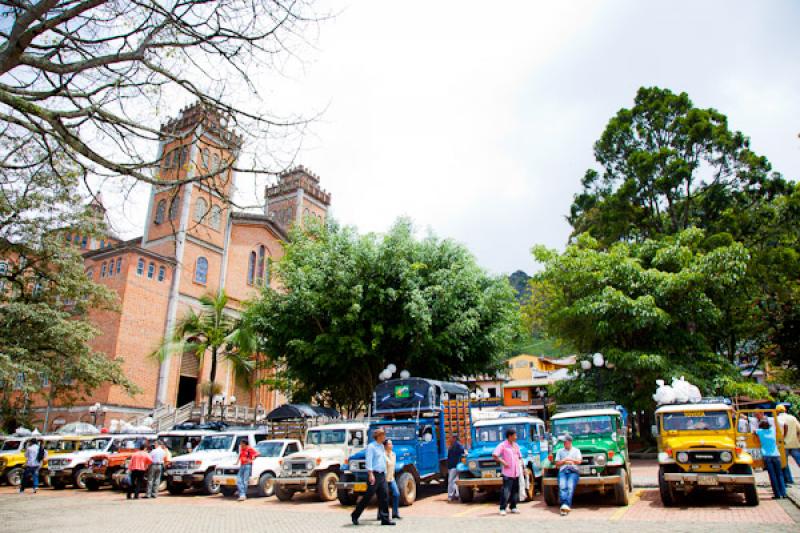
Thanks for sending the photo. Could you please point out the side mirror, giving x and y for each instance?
(654, 430)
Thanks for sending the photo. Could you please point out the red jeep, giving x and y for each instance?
(103, 466)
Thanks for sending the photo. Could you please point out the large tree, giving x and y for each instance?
(350, 304)
(87, 78)
(45, 294)
(652, 308)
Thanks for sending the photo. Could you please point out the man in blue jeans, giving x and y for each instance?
(35, 454)
(567, 460)
(772, 458)
(246, 455)
(791, 440)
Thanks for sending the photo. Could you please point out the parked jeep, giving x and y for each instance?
(699, 449)
(479, 471)
(103, 466)
(318, 466)
(600, 433)
(12, 463)
(74, 468)
(265, 467)
(196, 470)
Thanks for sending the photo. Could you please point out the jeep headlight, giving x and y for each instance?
(310, 465)
(682, 457)
(473, 465)
(286, 467)
(600, 459)
(195, 464)
(105, 462)
(726, 457)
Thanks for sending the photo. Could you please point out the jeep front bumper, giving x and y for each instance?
(585, 481)
(229, 480)
(296, 482)
(709, 479)
(480, 482)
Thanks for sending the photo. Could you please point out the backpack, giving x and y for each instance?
(40, 454)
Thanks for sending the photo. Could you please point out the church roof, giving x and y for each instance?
(266, 220)
(131, 245)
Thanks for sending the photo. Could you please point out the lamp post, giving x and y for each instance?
(95, 410)
(542, 393)
(598, 362)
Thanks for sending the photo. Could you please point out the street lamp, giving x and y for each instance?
(95, 410)
(542, 393)
(599, 362)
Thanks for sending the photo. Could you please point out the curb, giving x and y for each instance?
(760, 484)
(794, 496)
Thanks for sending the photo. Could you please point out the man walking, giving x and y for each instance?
(140, 462)
(454, 454)
(508, 454)
(791, 440)
(376, 465)
(156, 470)
(567, 460)
(246, 455)
(35, 454)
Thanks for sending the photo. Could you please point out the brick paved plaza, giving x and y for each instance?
(107, 511)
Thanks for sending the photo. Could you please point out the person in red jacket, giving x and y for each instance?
(140, 462)
(246, 455)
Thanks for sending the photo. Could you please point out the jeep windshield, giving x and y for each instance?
(498, 432)
(325, 436)
(400, 432)
(583, 426)
(11, 445)
(269, 449)
(696, 421)
(215, 442)
(94, 445)
(62, 445)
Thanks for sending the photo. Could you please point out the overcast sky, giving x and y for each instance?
(477, 119)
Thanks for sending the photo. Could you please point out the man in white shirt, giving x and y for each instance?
(159, 455)
(567, 460)
(791, 440)
(35, 455)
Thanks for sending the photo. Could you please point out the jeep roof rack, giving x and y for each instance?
(581, 406)
(704, 400)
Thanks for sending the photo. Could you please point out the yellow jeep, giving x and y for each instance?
(698, 449)
(12, 464)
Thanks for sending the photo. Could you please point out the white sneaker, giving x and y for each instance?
(514, 511)
(502, 513)
(242, 498)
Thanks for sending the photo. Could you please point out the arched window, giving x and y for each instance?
(102, 244)
(173, 207)
(205, 157)
(201, 270)
(84, 241)
(161, 211)
(200, 209)
(111, 268)
(151, 270)
(251, 268)
(268, 272)
(260, 268)
(215, 162)
(103, 270)
(162, 273)
(140, 267)
(90, 273)
(119, 264)
(215, 218)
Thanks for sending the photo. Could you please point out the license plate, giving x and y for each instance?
(585, 469)
(359, 487)
(707, 480)
(230, 481)
(489, 474)
(177, 478)
(756, 453)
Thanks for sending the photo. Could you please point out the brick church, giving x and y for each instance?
(193, 244)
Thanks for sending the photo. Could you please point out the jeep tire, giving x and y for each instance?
(209, 487)
(621, 489)
(550, 495)
(227, 491)
(326, 486)
(57, 484)
(283, 494)
(79, 478)
(408, 488)
(14, 476)
(665, 489)
(466, 494)
(347, 497)
(266, 485)
(751, 495)
(92, 485)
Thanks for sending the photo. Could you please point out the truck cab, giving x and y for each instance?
(265, 467)
(600, 433)
(196, 470)
(319, 465)
(699, 448)
(479, 471)
(418, 415)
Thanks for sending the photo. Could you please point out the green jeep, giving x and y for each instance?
(599, 432)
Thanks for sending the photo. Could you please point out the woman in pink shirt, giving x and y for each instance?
(508, 454)
(140, 462)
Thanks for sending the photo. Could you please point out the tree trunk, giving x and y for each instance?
(47, 410)
(212, 377)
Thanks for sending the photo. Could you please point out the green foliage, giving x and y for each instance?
(547, 347)
(214, 331)
(354, 303)
(652, 308)
(46, 294)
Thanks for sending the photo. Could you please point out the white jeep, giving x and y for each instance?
(196, 469)
(318, 466)
(265, 467)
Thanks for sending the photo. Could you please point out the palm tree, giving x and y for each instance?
(215, 331)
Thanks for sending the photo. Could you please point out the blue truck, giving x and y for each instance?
(479, 471)
(418, 415)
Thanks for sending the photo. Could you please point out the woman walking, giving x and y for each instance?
(394, 491)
